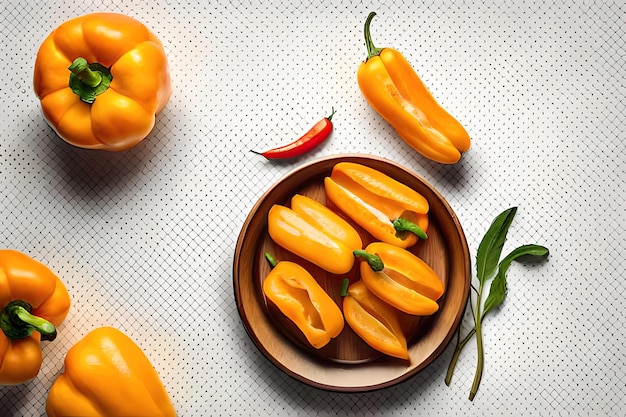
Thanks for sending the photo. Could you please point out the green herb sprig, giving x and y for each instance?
(490, 268)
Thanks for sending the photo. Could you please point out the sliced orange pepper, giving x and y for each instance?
(378, 203)
(400, 278)
(374, 321)
(312, 231)
(303, 301)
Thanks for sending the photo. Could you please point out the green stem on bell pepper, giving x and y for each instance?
(17, 322)
(88, 80)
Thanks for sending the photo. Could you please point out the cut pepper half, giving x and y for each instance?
(400, 278)
(374, 321)
(312, 231)
(376, 202)
(302, 300)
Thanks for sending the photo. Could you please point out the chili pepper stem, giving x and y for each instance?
(331, 114)
(17, 322)
(373, 260)
(404, 225)
(372, 51)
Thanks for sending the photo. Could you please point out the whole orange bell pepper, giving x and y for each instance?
(387, 209)
(101, 79)
(400, 278)
(312, 231)
(302, 300)
(374, 321)
(107, 374)
(33, 301)
(394, 90)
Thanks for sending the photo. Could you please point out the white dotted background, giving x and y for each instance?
(145, 239)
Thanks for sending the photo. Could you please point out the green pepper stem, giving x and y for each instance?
(345, 283)
(372, 51)
(373, 260)
(17, 322)
(331, 115)
(88, 80)
(270, 259)
(81, 69)
(404, 225)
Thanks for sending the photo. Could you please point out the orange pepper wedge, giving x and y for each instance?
(312, 231)
(378, 203)
(374, 321)
(302, 300)
(400, 278)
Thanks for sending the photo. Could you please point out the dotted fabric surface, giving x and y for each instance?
(145, 239)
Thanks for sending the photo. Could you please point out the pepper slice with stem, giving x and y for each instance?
(387, 209)
(400, 278)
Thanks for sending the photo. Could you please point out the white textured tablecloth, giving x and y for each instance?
(144, 239)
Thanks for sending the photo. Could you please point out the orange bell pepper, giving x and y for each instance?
(312, 231)
(303, 301)
(34, 301)
(400, 278)
(101, 79)
(394, 90)
(107, 374)
(374, 321)
(387, 209)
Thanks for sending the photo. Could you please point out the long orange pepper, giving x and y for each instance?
(387, 209)
(400, 278)
(395, 91)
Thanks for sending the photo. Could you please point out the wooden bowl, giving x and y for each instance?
(347, 364)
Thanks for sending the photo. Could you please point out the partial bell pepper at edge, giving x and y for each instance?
(33, 301)
(107, 374)
(101, 79)
(312, 231)
(302, 300)
(395, 91)
(387, 209)
(400, 278)
(374, 321)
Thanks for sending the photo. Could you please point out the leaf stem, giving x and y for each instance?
(480, 360)
(460, 345)
(457, 352)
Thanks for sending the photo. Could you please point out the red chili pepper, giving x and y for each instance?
(310, 140)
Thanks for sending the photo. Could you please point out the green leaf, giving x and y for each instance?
(497, 292)
(490, 247)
